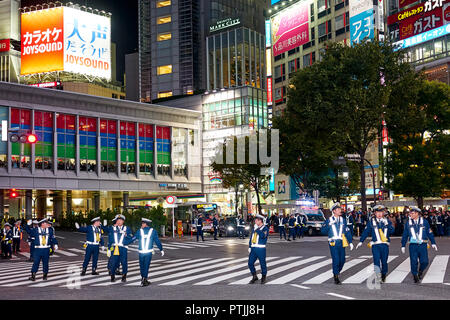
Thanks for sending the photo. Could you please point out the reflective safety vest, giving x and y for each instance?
(336, 235)
(17, 233)
(145, 241)
(416, 238)
(43, 238)
(122, 231)
(280, 222)
(255, 240)
(97, 236)
(380, 234)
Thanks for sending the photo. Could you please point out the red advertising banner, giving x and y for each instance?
(269, 92)
(290, 28)
(4, 45)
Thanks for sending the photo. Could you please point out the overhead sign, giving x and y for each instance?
(5, 45)
(223, 24)
(66, 39)
(290, 27)
(46, 84)
(423, 37)
(361, 20)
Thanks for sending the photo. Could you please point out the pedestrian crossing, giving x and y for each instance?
(294, 270)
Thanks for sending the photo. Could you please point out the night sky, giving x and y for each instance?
(124, 24)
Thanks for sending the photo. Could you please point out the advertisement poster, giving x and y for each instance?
(361, 20)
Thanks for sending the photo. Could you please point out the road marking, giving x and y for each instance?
(340, 296)
(275, 271)
(25, 254)
(400, 273)
(59, 237)
(321, 278)
(436, 271)
(299, 286)
(66, 253)
(365, 273)
(77, 250)
(297, 274)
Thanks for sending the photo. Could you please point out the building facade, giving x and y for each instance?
(101, 151)
(9, 41)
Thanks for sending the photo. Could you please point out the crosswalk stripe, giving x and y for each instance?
(176, 245)
(25, 254)
(340, 296)
(77, 250)
(273, 271)
(301, 272)
(215, 244)
(399, 274)
(365, 273)
(66, 253)
(436, 271)
(321, 278)
(166, 246)
(18, 269)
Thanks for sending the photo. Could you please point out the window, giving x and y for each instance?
(165, 19)
(163, 150)
(3, 144)
(21, 152)
(108, 151)
(180, 137)
(322, 29)
(291, 66)
(88, 144)
(43, 127)
(306, 60)
(339, 22)
(163, 3)
(164, 36)
(65, 128)
(164, 69)
(165, 94)
(146, 149)
(127, 147)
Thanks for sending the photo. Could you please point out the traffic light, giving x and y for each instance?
(381, 195)
(13, 194)
(30, 138)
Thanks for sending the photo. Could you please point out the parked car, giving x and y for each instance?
(228, 227)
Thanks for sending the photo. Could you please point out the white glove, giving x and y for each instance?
(385, 221)
(351, 246)
(108, 253)
(249, 250)
(162, 253)
(55, 247)
(105, 222)
(434, 247)
(103, 248)
(358, 245)
(403, 250)
(77, 225)
(29, 222)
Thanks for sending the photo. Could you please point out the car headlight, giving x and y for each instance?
(230, 228)
(247, 228)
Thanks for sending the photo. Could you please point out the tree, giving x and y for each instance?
(250, 174)
(339, 102)
(419, 165)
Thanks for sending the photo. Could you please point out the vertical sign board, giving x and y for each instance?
(379, 19)
(361, 20)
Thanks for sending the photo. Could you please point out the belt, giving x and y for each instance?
(199, 226)
(379, 242)
(119, 245)
(146, 251)
(92, 243)
(42, 247)
(334, 239)
(423, 241)
(16, 237)
(258, 245)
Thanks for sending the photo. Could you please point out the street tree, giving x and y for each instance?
(419, 165)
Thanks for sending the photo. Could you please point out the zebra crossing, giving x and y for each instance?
(295, 270)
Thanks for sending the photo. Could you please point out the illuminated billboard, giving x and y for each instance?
(290, 27)
(361, 20)
(66, 39)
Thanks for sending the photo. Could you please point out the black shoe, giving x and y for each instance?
(33, 277)
(30, 260)
(288, 239)
(95, 273)
(113, 278)
(118, 273)
(383, 278)
(44, 277)
(416, 279)
(124, 278)
(145, 282)
(336, 280)
(420, 274)
(216, 239)
(254, 279)
(83, 272)
(263, 279)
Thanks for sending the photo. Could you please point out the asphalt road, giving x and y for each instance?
(217, 270)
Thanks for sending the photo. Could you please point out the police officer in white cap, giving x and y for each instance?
(30, 241)
(6, 240)
(380, 229)
(418, 232)
(147, 238)
(93, 243)
(339, 237)
(257, 248)
(119, 237)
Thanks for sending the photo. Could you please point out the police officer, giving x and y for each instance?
(93, 242)
(17, 236)
(282, 221)
(418, 232)
(350, 221)
(44, 238)
(6, 240)
(291, 226)
(216, 225)
(240, 225)
(119, 237)
(147, 237)
(257, 248)
(30, 240)
(339, 237)
(380, 229)
(198, 223)
(297, 224)
(440, 224)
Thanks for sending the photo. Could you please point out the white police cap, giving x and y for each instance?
(416, 209)
(147, 221)
(7, 225)
(119, 216)
(35, 222)
(95, 219)
(259, 216)
(379, 207)
(45, 220)
(335, 205)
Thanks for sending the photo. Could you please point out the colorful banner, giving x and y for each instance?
(20, 119)
(127, 141)
(163, 145)
(65, 128)
(108, 140)
(43, 128)
(290, 28)
(146, 143)
(361, 20)
(88, 138)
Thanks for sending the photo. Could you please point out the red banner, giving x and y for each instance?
(4, 45)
